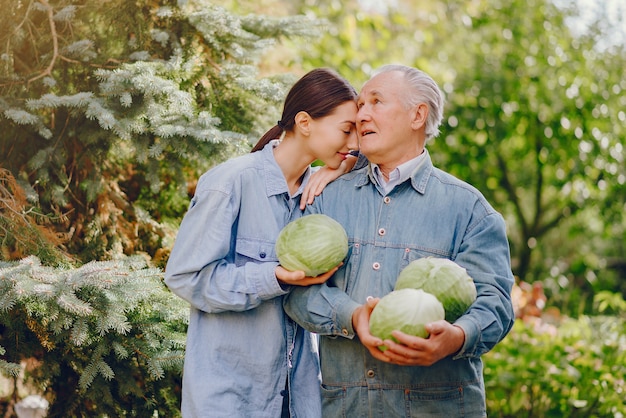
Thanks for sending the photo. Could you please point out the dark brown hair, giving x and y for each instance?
(318, 93)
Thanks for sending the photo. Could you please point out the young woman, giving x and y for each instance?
(244, 356)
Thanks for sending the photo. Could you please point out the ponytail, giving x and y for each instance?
(273, 133)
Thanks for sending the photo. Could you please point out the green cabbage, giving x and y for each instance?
(443, 278)
(313, 243)
(406, 310)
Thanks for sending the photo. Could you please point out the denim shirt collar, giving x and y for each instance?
(419, 177)
(275, 182)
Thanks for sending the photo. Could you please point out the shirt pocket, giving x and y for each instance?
(412, 254)
(435, 402)
(254, 250)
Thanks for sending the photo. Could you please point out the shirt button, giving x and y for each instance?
(344, 332)
(387, 199)
(381, 231)
(370, 373)
(262, 255)
(376, 265)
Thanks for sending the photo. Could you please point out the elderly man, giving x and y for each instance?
(396, 209)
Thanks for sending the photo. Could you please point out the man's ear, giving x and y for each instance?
(303, 122)
(419, 116)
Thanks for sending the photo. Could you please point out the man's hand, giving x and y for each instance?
(298, 278)
(445, 339)
(361, 325)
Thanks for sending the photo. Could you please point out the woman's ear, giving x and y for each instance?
(419, 116)
(303, 122)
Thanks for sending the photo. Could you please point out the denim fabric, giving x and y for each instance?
(241, 347)
(431, 214)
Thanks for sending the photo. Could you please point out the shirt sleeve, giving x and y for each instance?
(201, 267)
(321, 309)
(485, 254)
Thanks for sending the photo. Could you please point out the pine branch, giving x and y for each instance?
(102, 321)
(55, 42)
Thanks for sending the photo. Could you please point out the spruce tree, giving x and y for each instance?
(108, 112)
(105, 338)
(107, 109)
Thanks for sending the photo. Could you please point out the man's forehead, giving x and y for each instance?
(369, 92)
(371, 89)
(376, 86)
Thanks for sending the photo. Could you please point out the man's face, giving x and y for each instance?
(383, 120)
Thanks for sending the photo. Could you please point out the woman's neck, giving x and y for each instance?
(292, 162)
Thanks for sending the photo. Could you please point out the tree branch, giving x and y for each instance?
(55, 42)
(539, 182)
(510, 190)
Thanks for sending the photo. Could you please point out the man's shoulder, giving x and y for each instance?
(348, 180)
(462, 190)
(449, 180)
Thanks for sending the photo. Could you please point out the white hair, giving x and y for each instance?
(423, 89)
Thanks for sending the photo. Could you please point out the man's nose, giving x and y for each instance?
(362, 114)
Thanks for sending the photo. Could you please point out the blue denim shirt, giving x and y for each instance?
(430, 214)
(241, 347)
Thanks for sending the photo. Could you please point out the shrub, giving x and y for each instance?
(103, 339)
(575, 369)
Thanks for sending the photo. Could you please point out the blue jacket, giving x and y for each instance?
(431, 214)
(241, 347)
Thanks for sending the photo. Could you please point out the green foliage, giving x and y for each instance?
(22, 227)
(160, 90)
(356, 40)
(108, 337)
(576, 369)
(534, 122)
(609, 302)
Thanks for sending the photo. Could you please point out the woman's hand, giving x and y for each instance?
(322, 177)
(298, 278)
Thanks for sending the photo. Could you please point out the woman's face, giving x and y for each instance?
(333, 136)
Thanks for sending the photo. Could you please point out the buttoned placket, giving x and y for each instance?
(382, 231)
(371, 373)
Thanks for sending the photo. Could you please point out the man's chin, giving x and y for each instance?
(367, 151)
(364, 146)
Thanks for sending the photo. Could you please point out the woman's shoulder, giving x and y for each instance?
(230, 172)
